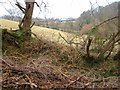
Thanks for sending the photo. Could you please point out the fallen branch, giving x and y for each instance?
(31, 84)
(94, 81)
(5, 62)
(72, 82)
(24, 70)
(19, 84)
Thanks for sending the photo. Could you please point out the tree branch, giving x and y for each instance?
(105, 21)
(20, 7)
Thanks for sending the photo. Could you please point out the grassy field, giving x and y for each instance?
(44, 33)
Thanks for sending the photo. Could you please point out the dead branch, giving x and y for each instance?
(31, 84)
(19, 84)
(36, 4)
(32, 25)
(88, 46)
(64, 39)
(106, 21)
(71, 41)
(20, 7)
(112, 46)
(41, 4)
(20, 24)
(72, 82)
(5, 62)
(35, 36)
(108, 46)
(94, 81)
(24, 70)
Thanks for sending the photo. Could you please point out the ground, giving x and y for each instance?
(49, 68)
(46, 64)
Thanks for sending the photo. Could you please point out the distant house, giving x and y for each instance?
(67, 20)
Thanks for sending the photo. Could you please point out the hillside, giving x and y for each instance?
(46, 33)
(61, 57)
(41, 32)
(90, 18)
(46, 64)
(84, 22)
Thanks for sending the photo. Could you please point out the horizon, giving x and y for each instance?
(69, 9)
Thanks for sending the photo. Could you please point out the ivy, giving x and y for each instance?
(19, 35)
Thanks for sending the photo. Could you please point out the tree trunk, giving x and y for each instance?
(88, 47)
(27, 20)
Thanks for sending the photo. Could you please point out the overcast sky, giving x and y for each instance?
(57, 8)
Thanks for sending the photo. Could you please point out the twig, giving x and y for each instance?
(112, 46)
(74, 81)
(7, 63)
(71, 41)
(94, 81)
(5, 52)
(106, 21)
(35, 35)
(62, 73)
(20, 7)
(108, 45)
(57, 70)
(19, 84)
(64, 39)
(32, 25)
(24, 70)
(31, 84)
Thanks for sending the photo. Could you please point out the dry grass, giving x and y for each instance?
(43, 33)
(4, 23)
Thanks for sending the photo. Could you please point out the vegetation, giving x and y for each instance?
(56, 59)
(83, 23)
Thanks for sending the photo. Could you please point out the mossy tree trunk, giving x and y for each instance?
(28, 19)
(25, 24)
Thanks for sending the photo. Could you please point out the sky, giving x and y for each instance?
(56, 8)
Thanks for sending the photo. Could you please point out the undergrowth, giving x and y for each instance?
(65, 56)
